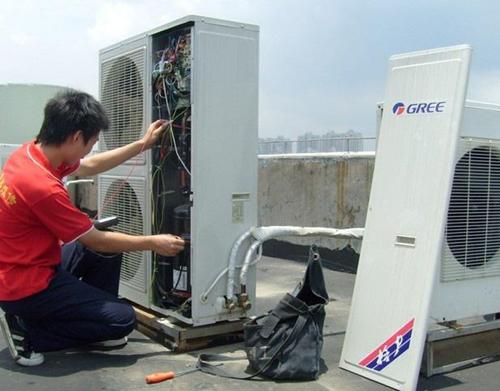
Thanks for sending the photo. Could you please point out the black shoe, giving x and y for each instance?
(18, 343)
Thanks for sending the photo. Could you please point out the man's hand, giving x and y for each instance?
(105, 161)
(116, 242)
(153, 133)
(167, 245)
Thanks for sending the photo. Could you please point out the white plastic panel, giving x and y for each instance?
(224, 155)
(123, 89)
(124, 197)
(411, 182)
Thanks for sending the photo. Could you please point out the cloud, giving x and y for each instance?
(319, 110)
(117, 20)
(322, 64)
(185, 7)
(23, 39)
(114, 21)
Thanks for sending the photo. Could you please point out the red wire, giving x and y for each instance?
(107, 200)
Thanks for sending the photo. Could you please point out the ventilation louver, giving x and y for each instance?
(473, 223)
(122, 200)
(122, 95)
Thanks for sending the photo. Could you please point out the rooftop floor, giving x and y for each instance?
(125, 369)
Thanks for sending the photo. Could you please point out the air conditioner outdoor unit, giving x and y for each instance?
(470, 258)
(469, 276)
(200, 181)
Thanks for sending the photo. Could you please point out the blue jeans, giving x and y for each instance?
(80, 305)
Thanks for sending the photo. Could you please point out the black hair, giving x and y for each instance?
(68, 112)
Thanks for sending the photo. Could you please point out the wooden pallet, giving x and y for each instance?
(180, 337)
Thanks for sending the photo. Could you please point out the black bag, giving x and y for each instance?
(287, 342)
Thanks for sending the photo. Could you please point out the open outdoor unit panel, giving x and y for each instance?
(200, 180)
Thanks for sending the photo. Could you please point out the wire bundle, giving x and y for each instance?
(170, 173)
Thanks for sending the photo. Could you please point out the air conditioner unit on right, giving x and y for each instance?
(468, 283)
(470, 262)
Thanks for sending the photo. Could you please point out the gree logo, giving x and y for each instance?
(400, 108)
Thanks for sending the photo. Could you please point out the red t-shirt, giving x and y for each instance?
(36, 215)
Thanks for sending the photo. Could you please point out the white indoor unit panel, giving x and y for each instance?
(402, 245)
(123, 93)
(201, 177)
(126, 198)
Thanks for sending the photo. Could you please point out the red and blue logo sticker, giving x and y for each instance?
(390, 350)
(400, 108)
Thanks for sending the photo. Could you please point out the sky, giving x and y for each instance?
(322, 63)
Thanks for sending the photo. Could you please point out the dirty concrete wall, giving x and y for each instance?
(321, 190)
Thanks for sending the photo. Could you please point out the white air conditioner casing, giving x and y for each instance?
(468, 283)
(124, 94)
(125, 197)
(467, 291)
(224, 121)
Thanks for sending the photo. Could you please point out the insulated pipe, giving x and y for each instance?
(204, 296)
(261, 234)
(232, 264)
(246, 263)
(265, 233)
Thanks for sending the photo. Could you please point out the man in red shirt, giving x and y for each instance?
(55, 299)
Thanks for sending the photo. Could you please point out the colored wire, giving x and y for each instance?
(167, 86)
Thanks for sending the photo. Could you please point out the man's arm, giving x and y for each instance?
(105, 161)
(116, 242)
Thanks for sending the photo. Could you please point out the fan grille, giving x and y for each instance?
(473, 223)
(122, 95)
(122, 200)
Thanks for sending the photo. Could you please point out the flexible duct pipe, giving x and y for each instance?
(261, 234)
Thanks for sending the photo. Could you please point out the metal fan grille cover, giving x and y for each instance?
(123, 199)
(473, 223)
(122, 95)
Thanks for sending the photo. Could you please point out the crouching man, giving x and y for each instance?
(62, 297)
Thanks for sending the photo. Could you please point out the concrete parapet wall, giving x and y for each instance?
(318, 190)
